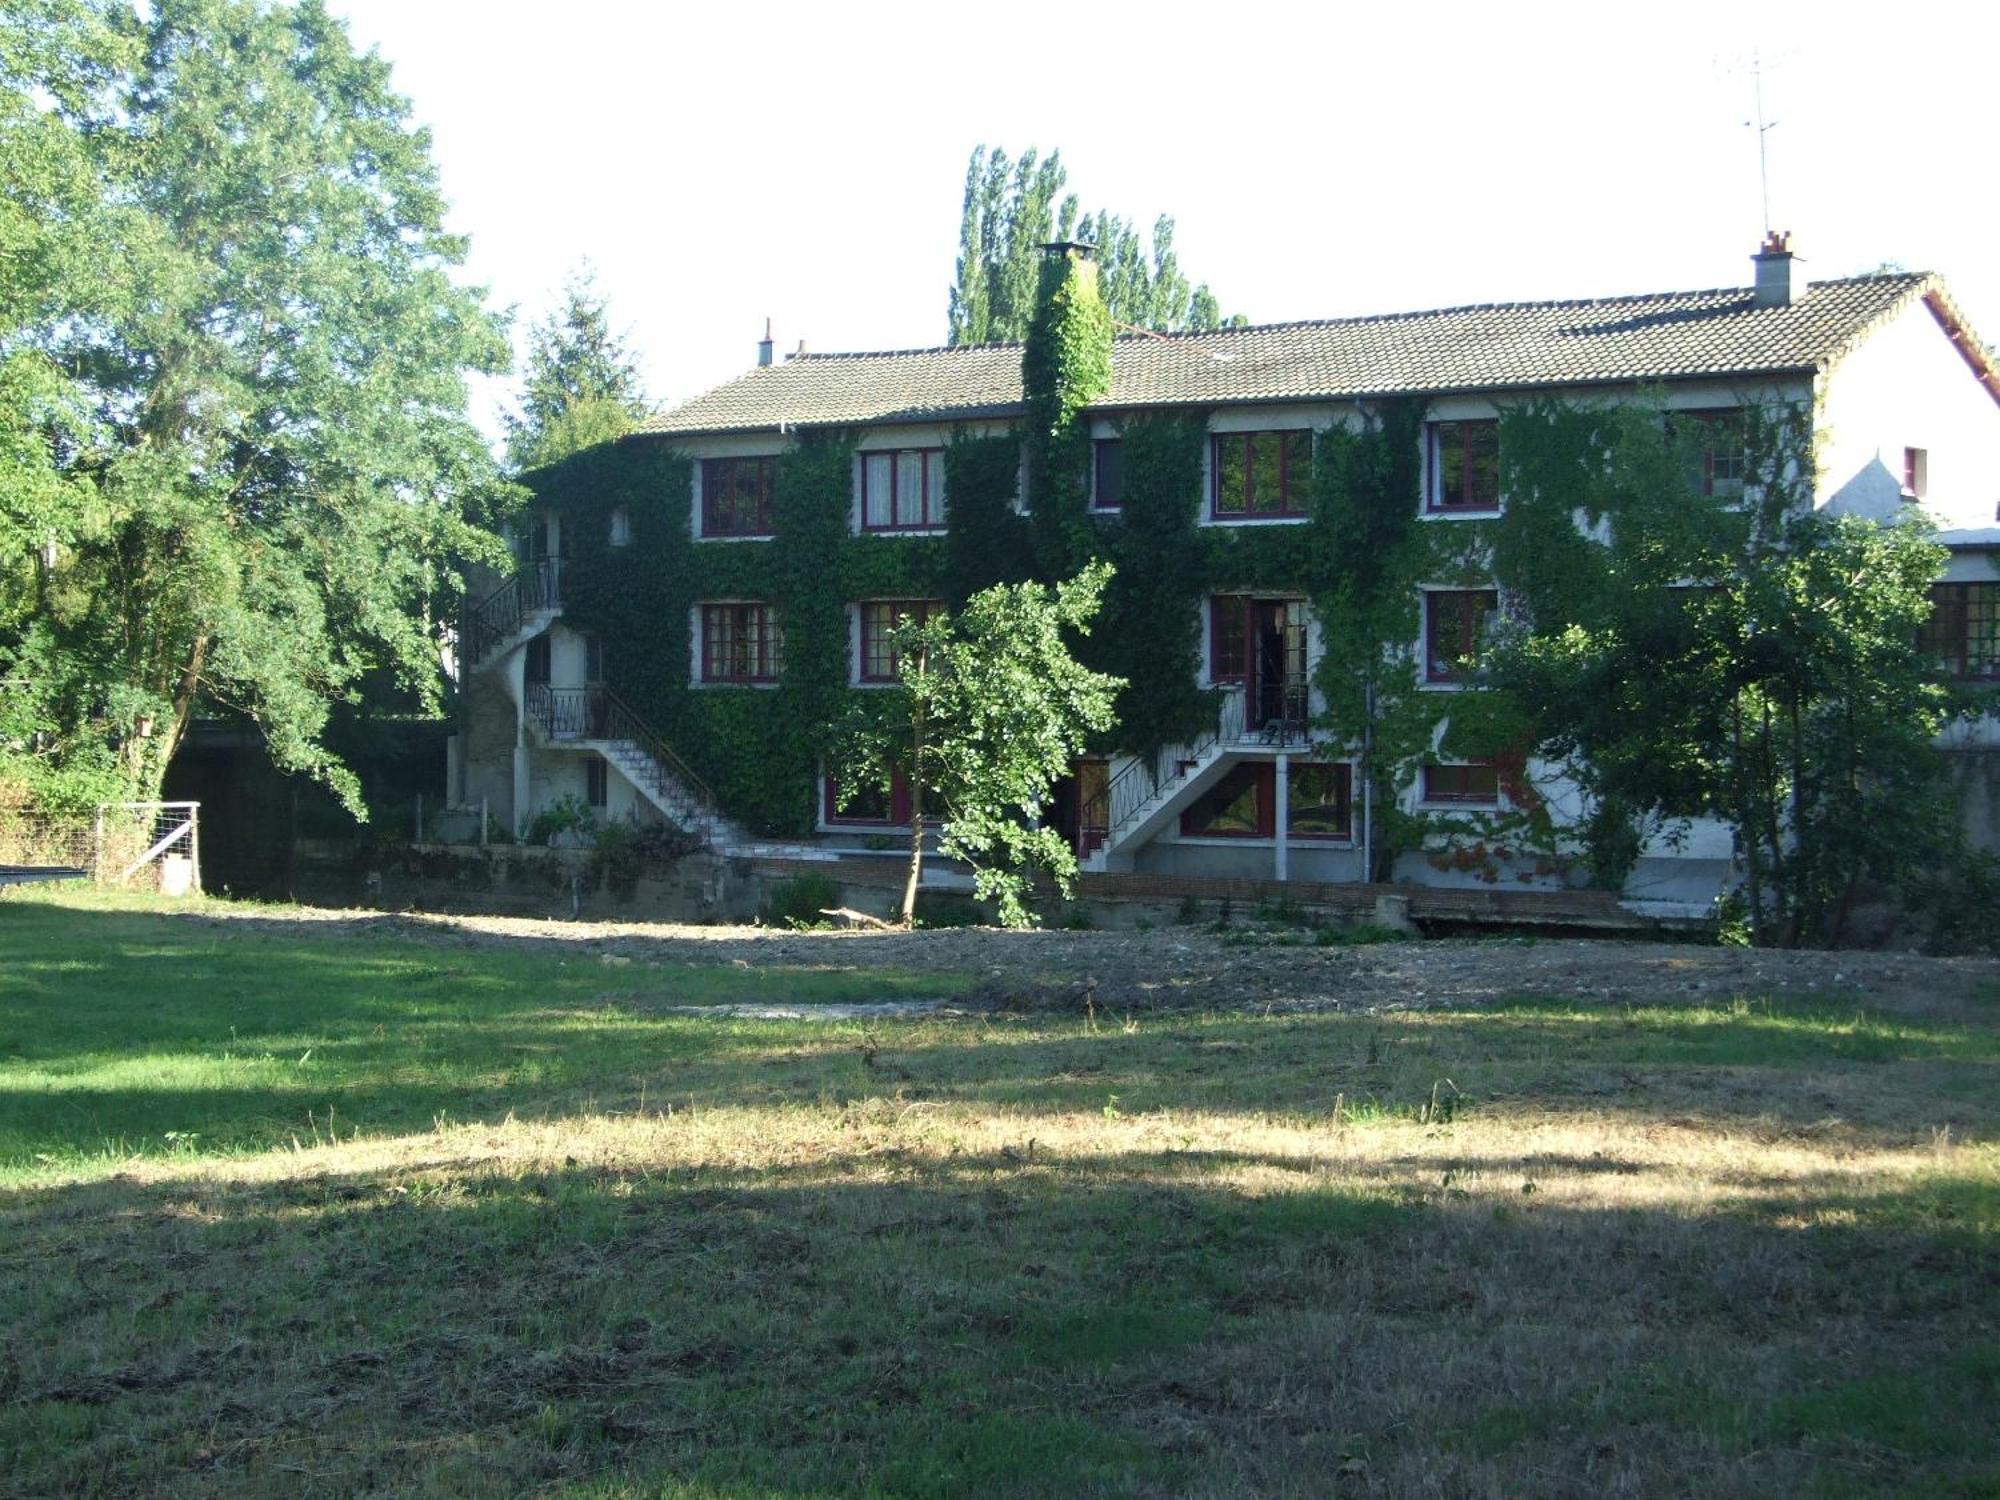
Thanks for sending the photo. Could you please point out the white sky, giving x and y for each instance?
(722, 163)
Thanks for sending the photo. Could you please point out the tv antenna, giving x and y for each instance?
(1757, 65)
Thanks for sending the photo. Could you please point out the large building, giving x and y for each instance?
(688, 619)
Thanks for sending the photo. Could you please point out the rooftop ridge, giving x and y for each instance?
(1581, 341)
(1351, 319)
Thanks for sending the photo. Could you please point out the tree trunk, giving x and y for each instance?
(916, 814)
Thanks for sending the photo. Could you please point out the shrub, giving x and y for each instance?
(569, 814)
(799, 901)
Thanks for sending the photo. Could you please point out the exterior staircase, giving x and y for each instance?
(596, 719)
(1137, 802)
(513, 614)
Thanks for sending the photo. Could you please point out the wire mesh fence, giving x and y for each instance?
(141, 845)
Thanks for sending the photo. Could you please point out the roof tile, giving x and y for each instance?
(1506, 346)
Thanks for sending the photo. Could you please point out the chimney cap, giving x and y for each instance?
(1776, 242)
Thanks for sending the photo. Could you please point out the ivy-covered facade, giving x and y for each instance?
(1315, 526)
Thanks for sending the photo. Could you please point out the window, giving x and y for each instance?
(1261, 474)
(736, 496)
(867, 805)
(1717, 446)
(1269, 634)
(740, 643)
(1229, 638)
(596, 784)
(1236, 807)
(593, 658)
(1455, 626)
(1464, 467)
(1916, 473)
(621, 526)
(880, 662)
(1319, 803)
(1107, 486)
(535, 662)
(1964, 629)
(1469, 784)
(902, 491)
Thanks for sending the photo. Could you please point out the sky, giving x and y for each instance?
(721, 164)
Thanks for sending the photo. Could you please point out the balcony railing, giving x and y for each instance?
(537, 586)
(572, 715)
(1281, 718)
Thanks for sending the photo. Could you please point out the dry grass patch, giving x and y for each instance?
(1635, 1249)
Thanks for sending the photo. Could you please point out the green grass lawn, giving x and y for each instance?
(286, 1210)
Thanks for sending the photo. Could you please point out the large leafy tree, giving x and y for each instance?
(1013, 208)
(990, 710)
(581, 385)
(1757, 662)
(234, 382)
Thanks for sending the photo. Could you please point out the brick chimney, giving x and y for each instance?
(1779, 279)
(764, 346)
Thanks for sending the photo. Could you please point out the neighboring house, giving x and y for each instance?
(1907, 411)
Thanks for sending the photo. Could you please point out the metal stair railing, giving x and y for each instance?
(1128, 793)
(597, 713)
(536, 586)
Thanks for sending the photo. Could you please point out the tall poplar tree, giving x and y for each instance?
(581, 385)
(241, 477)
(1012, 209)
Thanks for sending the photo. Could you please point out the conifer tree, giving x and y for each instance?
(581, 385)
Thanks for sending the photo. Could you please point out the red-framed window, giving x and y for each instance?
(1463, 467)
(1259, 475)
(1235, 622)
(1455, 626)
(868, 806)
(1239, 806)
(880, 661)
(740, 642)
(1464, 784)
(1916, 473)
(736, 496)
(1107, 477)
(1964, 630)
(1228, 638)
(1718, 445)
(903, 490)
(1244, 803)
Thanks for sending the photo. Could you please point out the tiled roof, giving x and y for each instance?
(1507, 346)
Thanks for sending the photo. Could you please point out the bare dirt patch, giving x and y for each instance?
(1240, 968)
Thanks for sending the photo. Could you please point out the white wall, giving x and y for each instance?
(1907, 386)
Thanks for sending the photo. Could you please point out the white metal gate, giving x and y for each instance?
(150, 843)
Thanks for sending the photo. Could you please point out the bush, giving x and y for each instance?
(624, 850)
(947, 909)
(1957, 901)
(799, 901)
(565, 815)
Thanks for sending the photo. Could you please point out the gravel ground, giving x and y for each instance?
(1196, 967)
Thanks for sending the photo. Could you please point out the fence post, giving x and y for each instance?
(420, 817)
(194, 845)
(97, 849)
(482, 822)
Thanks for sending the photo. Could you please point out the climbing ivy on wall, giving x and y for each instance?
(1065, 365)
(760, 750)
(1572, 473)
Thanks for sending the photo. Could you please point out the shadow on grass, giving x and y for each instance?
(951, 1325)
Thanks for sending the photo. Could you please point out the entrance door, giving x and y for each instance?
(1277, 686)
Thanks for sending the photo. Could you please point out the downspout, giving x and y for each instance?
(1368, 783)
